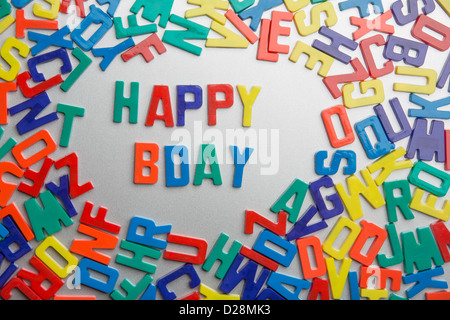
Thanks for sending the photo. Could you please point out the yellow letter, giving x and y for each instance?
(248, 99)
(295, 5)
(376, 98)
(210, 294)
(429, 207)
(24, 50)
(331, 20)
(230, 40)
(6, 22)
(60, 271)
(340, 253)
(207, 8)
(314, 57)
(445, 4)
(388, 164)
(337, 281)
(51, 13)
(355, 187)
(429, 74)
(374, 294)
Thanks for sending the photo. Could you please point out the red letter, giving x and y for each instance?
(160, 93)
(302, 245)
(140, 163)
(346, 125)
(375, 72)
(277, 30)
(42, 135)
(252, 217)
(72, 162)
(214, 104)
(42, 276)
(200, 244)
(4, 88)
(99, 220)
(369, 230)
